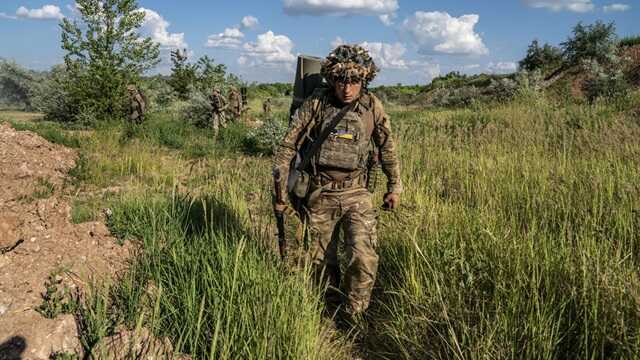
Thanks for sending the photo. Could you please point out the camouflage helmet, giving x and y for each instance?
(349, 63)
(131, 87)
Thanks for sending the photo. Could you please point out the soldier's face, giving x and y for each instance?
(347, 91)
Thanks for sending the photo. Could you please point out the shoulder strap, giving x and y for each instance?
(325, 134)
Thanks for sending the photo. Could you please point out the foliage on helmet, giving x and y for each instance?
(349, 63)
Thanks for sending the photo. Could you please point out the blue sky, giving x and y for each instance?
(411, 40)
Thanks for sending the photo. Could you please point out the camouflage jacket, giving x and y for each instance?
(137, 106)
(305, 124)
(217, 103)
(235, 100)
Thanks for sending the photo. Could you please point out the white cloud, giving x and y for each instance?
(231, 38)
(243, 60)
(440, 32)
(386, 56)
(340, 7)
(271, 48)
(559, 5)
(428, 71)
(5, 16)
(502, 67)
(156, 26)
(47, 12)
(249, 22)
(616, 7)
(387, 19)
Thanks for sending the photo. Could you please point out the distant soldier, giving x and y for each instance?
(235, 104)
(137, 105)
(266, 107)
(218, 107)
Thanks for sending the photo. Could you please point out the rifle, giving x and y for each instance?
(278, 210)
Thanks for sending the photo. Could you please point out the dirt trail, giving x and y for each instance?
(37, 238)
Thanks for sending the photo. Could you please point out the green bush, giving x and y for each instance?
(629, 41)
(541, 57)
(266, 138)
(608, 83)
(591, 42)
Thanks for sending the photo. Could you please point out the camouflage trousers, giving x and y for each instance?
(217, 121)
(352, 211)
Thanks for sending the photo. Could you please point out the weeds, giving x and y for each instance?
(57, 298)
(82, 212)
(44, 189)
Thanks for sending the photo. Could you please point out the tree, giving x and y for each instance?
(210, 74)
(104, 53)
(17, 84)
(183, 74)
(541, 57)
(591, 42)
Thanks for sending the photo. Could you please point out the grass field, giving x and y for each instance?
(518, 238)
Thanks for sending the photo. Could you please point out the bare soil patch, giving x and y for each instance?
(37, 239)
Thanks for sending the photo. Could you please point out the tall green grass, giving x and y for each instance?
(205, 281)
(521, 239)
(518, 238)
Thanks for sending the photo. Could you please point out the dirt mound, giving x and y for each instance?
(37, 239)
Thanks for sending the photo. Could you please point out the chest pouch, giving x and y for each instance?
(347, 146)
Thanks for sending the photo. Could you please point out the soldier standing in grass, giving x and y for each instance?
(235, 102)
(266, 107)
(338, 171)
(137, 105)
(218, 107)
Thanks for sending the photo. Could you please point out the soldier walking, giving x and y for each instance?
(137, 105)
(218, 107)
(338, 171)
(266, 107)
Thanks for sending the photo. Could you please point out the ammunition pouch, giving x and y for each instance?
(299, 183)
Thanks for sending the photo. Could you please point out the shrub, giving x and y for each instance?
(100, 63)
(541, 57)
(198, 109)
(629, 41)
(266, 138)
(596, 42)
(604, 82)
(501, 89)
(17, 85)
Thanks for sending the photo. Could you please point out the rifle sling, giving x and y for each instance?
(325, 134)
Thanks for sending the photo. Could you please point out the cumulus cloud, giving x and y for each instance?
(502, 67)
(439, 32)
(231, 38)
(616, 8)
(389, 56)
(559, 5)
(155, 26)
(340, 7)
(249, 22)
(270, 48)
(47, 12)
